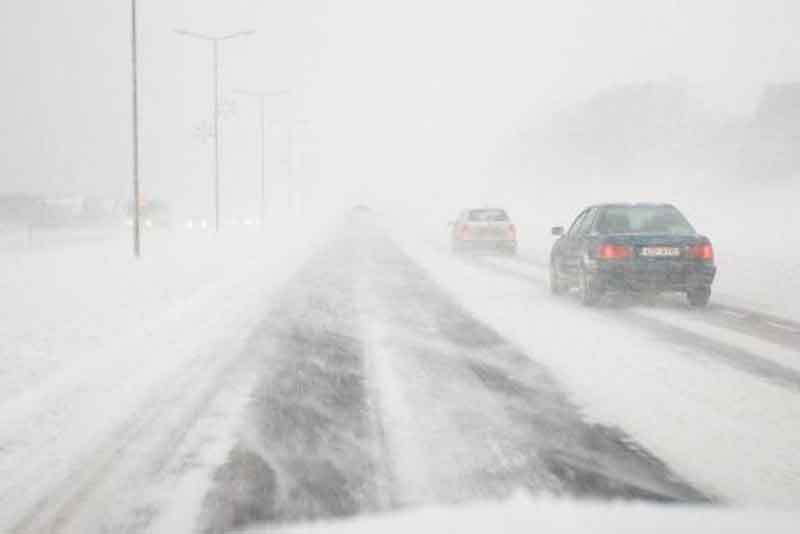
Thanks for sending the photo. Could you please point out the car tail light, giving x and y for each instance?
(704, 252)
(464, 231)
(610, 251)
(512, 230)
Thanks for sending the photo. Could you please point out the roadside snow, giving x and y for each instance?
(524, 514)
(89, 337)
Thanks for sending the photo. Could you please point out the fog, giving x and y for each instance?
(397, 311)
(407, 104)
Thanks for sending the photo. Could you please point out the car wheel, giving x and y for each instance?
(557, 286)
(588, 291)
(698, 298)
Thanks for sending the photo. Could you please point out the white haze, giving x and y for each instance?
(127, 386)
(414, 103)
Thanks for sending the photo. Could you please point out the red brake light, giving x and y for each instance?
(513, 230)
(610, 251)
(703, 252)
(464, 230)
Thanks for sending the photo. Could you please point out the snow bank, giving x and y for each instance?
(89, 336)
(524, 514)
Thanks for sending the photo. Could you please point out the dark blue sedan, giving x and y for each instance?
(643, 248)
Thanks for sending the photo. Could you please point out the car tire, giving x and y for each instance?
(698, 298)
(557, 286)
(589, 293)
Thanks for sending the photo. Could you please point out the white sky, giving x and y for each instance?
(401, 97)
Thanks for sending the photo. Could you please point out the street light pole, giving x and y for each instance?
(137, 246)
(290, 171)
(261, 119)
(290, 192)
(216, 133)
(261, 98)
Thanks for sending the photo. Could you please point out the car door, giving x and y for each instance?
(584, 238)
(455, 230)
(566, 252)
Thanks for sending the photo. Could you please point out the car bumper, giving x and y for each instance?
(655, 276)
(487, 245)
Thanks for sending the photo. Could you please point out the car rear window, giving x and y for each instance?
(643, 220)
(488, 215)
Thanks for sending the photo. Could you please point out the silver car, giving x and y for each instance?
(484, 230)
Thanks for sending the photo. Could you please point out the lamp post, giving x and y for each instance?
(215, 40)
(137, 243)
(261, 98)
(290, 162)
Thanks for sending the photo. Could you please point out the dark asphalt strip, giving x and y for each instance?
(309, 446)
(774, 329)
(545, 445)
(700, 346)
(313, 446)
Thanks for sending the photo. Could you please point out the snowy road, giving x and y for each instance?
(385, 393)
(387, 374)
(669, 318)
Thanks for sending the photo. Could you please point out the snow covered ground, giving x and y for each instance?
(134, 394)
(731, 433)
(523, 514)
(94, 346)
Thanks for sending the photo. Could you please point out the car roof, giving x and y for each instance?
(633, 205)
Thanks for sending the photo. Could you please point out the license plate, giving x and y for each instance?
(660, 252)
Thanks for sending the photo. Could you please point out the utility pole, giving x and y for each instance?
(137, 246)
(215, 40)
(261, 98)
(290, 163)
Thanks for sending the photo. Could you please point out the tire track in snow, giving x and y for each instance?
(379, 392)
(770, 328)
(105, 488)
(311, 448)
(487, 420)
(698, 344)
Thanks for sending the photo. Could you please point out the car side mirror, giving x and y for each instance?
(557, 230)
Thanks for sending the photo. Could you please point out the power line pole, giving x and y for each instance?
(216, 135)
(137, 246)
(261, 98)
(215, 41)
(290, 192)
(290, 171)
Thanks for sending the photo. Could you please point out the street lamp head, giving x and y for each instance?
(237, 34)
(261, 93)
(187, 33)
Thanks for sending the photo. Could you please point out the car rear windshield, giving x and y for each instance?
(488, 215)
(643, 220)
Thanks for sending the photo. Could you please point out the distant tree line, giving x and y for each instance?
(33, 210)
(642, 129)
